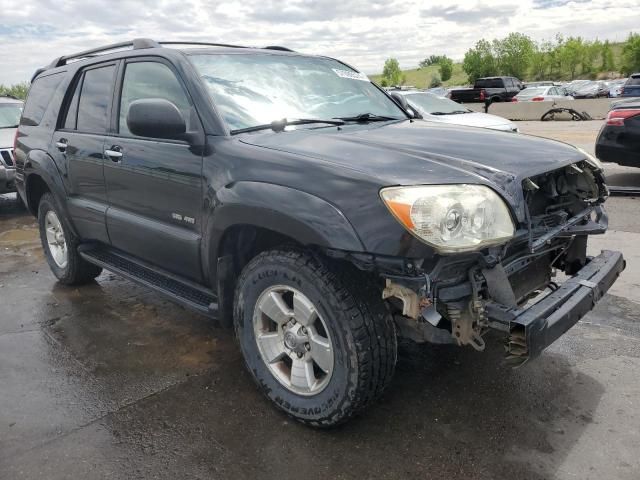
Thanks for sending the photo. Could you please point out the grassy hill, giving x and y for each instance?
(421, 77)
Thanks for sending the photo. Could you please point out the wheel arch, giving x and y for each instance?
(252, 217)
(41, 175)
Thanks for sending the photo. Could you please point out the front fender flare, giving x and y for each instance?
(307, 219)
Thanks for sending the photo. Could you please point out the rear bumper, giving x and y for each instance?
(533, 329)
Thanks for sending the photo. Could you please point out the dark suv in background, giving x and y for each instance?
(289, 196)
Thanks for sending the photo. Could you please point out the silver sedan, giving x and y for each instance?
(443, 110)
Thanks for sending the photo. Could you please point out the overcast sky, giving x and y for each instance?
(361, 32)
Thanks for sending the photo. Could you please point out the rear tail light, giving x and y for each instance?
(617, 117)
(621, 90)
(482, 94)
(15, 141)
(537, 99)
(514, 99)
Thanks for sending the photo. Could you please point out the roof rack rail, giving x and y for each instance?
(204, 44)
(227, 45)
(136, 44)
(139, 43)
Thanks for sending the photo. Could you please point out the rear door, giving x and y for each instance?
(154, 185)
(80, 141)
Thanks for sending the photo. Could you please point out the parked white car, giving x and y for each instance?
(541, 94)
(439, 109)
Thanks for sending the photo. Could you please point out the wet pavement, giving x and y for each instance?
(112, 381)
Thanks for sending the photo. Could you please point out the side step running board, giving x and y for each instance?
(188, 294)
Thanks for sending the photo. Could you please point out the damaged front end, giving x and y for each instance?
(515, 287)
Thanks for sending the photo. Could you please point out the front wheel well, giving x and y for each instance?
(240, 244)
(35, 188)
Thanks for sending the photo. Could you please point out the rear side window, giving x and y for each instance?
(634, 80)
(95, 99)
(39, 97)
(72, 111)
(490, 83)
(152, 80)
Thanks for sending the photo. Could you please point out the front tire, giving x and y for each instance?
(316, 337)
(61, 246)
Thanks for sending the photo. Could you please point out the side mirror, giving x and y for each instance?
(155, 118)
(402, 101)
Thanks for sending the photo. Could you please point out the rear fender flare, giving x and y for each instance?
(39, 163)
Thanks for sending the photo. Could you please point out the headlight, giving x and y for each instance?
(451, 218)
(595, 163)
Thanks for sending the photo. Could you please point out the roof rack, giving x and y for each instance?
(136, 44)
(227, 45)
(139, 43)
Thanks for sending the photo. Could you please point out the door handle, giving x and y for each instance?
(114, 153)
(62, 144)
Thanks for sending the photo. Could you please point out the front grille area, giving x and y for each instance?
(7, 157)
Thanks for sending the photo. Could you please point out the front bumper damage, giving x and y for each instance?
(534, 328)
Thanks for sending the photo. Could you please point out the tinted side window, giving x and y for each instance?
(72, 112)
(95, 99)
(39, 97)
(489, 83)
(152, 80)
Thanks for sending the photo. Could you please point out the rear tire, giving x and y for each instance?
(354, 323)
(61, 246)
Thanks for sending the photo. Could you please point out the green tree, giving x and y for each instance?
(608, 63)
(19, 90)
(479, 61)
(571, 55)
(631, 54)
(446, 68)
(436, 81)
(431, 60)
(514, 54)
(592, 50)
(391, 72)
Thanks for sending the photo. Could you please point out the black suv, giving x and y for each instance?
(287, 195)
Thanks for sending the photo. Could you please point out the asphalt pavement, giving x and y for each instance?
(112, 381)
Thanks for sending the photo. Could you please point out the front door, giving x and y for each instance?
(154, 185)
(80, 139)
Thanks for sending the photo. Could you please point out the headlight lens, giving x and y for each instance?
(451, 218)
(597, 164)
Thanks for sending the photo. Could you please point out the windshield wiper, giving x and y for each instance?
(279, 125)
(455, 112)
(367, 117)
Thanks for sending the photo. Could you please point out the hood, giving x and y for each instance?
(419, 152)
(473, 119)
(6, 137)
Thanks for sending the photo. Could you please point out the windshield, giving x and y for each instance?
(10, 114)
(633, 81)
(255, 89)
(432, 104)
